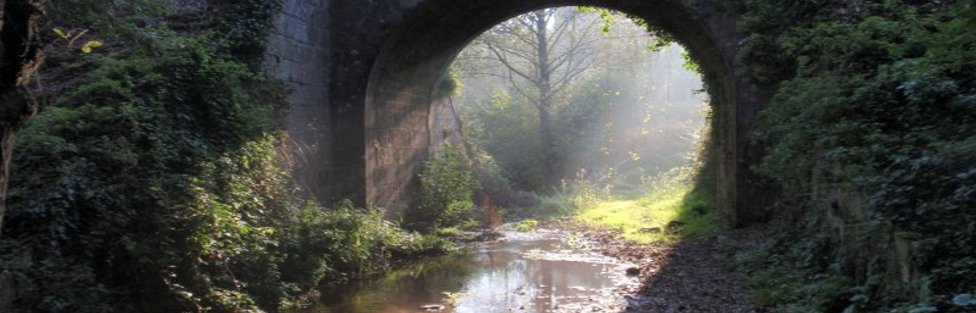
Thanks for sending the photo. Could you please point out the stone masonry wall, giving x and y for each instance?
(299, 53)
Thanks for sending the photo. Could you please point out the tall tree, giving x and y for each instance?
(542, 53)
(20, 56)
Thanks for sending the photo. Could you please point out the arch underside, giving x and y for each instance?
(415, 57)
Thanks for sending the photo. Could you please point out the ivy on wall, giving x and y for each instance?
(872, 123)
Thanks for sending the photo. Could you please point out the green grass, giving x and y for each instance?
(655, 210)
(526, 225)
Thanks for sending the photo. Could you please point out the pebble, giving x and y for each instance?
(633, 271)
(432, 307)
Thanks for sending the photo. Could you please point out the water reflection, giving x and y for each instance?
(525, 274)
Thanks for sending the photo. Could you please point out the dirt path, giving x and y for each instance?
(689, 276)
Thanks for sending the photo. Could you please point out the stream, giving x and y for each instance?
(524, 272)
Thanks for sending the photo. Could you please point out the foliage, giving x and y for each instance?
(107, 16)
(787, 279)
(526, 225)
(609, 18)
(820, 293)
(450, 84)
(158, 183)
(690, 63)
(242, 26)
(505, 128)
(868, 105)
(344, 242)
(446, 191)
(72, 36)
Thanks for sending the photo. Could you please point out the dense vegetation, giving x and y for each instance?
(155, 178)
(870, 137)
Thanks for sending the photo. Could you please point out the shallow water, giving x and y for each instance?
(524, 273)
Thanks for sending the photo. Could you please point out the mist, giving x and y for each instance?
(635, 111)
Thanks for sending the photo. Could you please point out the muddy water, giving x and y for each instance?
(524, 273)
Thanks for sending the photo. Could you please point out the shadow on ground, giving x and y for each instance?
(688, 276)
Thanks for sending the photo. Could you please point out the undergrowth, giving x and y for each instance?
(447, 188)
(158, 181)
(869, 136)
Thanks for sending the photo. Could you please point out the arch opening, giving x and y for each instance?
(411, 64)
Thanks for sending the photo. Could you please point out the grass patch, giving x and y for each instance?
(526, 226)
(664, 215)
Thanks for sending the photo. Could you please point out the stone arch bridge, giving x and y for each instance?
(364, 74)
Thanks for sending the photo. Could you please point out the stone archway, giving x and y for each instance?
(427, 35)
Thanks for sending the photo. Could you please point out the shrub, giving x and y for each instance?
(526, 225)
(446, 191)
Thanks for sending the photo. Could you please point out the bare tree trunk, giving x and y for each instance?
(20, 56)
(549, 152)
(544, 105)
